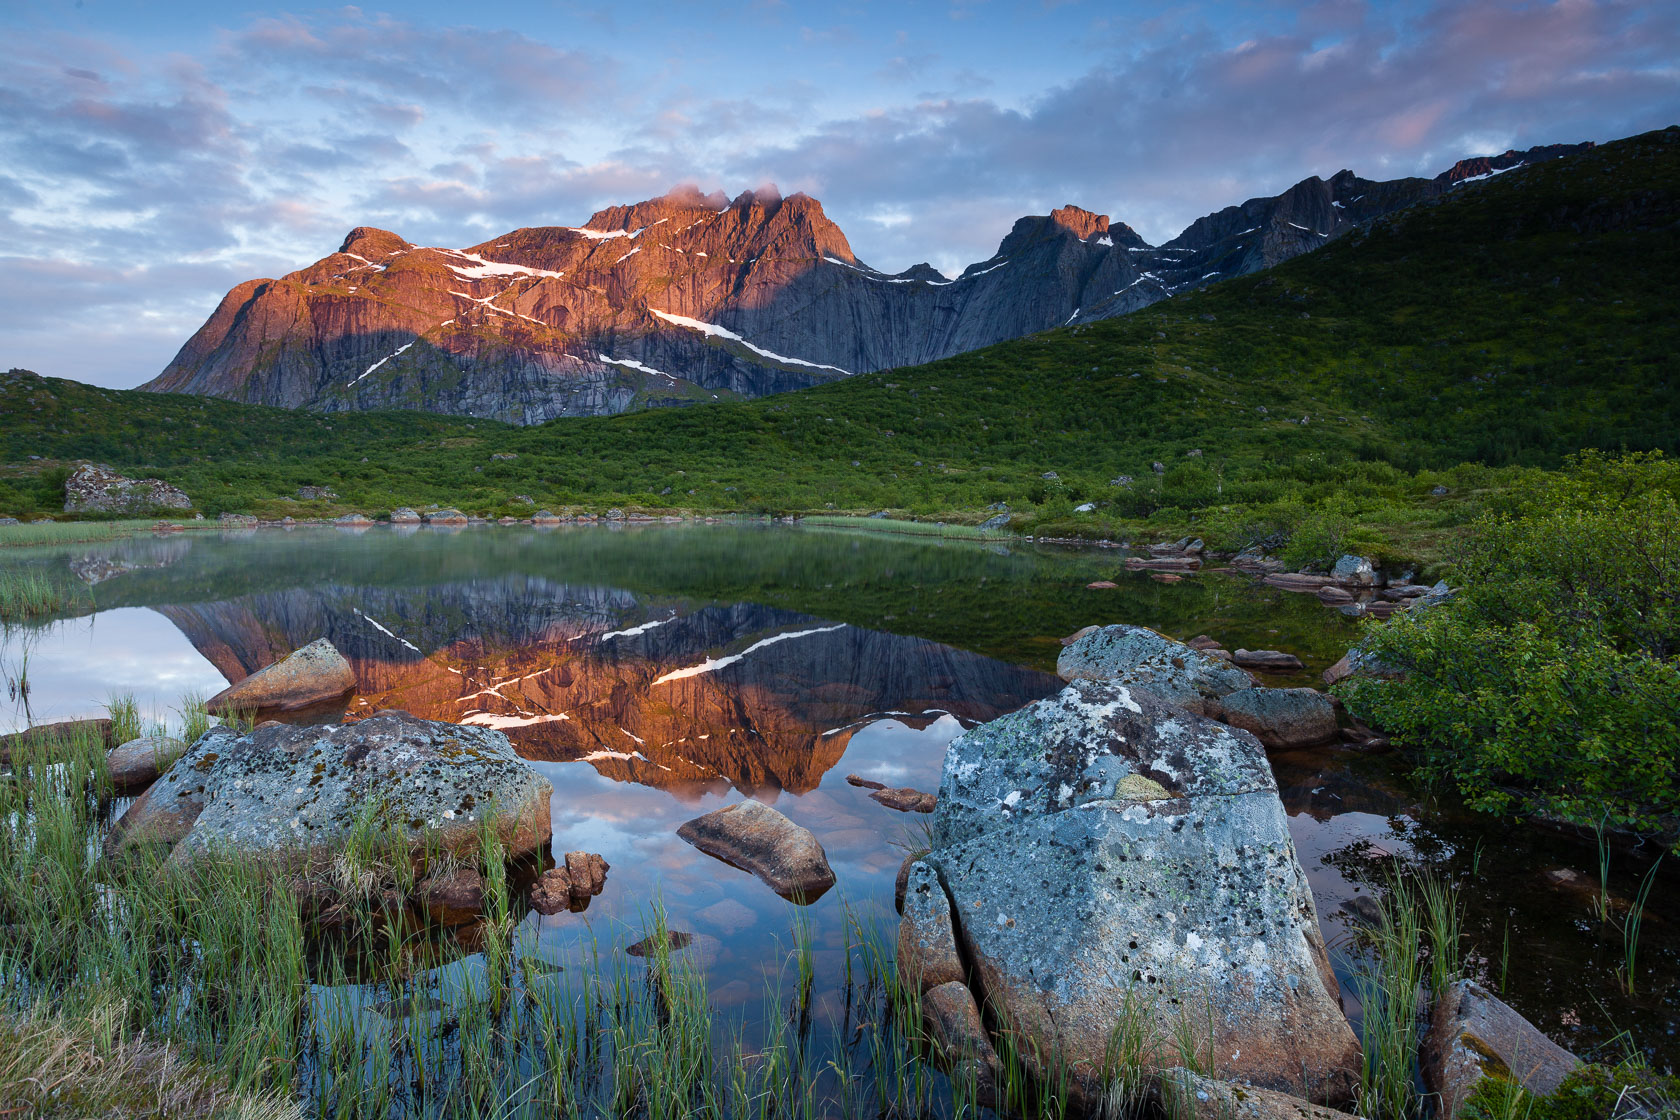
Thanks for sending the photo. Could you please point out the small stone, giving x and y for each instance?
(864, 783)
(460, 891)
(758, 839)
(138, 762)
(552, 892)
(1101, 585)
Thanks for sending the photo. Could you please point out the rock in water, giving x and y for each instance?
(1267, 660)
(1137, 656)
(1102, 847)
(312, 675)
(1190, 1096)
(283, 792)
(138, 762)
(94, 489)
(1474, 1034)
(756, 838)
(1281, 718)
(904, 799)
(48, 732)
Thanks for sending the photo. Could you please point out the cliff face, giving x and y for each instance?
(746, 696)
(693, 297)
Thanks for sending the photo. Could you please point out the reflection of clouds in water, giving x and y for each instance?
(77, 664)
(634, 828)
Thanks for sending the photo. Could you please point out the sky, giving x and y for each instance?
(153, 155)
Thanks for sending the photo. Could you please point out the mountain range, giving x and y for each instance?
(693, 297)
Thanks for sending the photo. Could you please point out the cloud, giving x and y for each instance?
(136, 187)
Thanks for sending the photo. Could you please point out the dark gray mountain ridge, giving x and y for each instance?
(693, 297)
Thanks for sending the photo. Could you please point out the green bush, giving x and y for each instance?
(1551, 683)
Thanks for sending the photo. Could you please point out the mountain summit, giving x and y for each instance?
(692, 297)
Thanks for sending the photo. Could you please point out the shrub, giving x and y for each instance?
(1551, 683)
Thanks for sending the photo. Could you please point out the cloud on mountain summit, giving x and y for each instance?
(146, 171)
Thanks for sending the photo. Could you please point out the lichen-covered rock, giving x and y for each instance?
(927, 942)
(297, 793)
(758, 839)
(1281, 718)
(1474, 1034)
(138, 762)
(311, 675)
(1354, 571)
(1102, 847)
(404, 516)
(1190, 1096)
(94, 489)
(445, 517)
(1134, 655)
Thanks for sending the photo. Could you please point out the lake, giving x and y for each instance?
(654, 673)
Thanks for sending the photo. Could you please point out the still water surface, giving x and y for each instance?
(656, 673)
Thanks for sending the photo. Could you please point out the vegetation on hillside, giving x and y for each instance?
(1458, 345)
(1551, 681)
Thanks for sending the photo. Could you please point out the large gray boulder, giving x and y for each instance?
(1101, 848)
(1281, 718)
(1474, 1034)
(95, 489)
(311, 675)
(1135, 655)
(297, 793)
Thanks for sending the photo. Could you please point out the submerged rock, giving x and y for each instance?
(94, 489)
(1474, 1034)
(1281, 718)
(312, 675)
(758, 839)
(904, 799)
(138, 762)
(1135, 655)
(298, 793)
(1102, 847)
(451, 893)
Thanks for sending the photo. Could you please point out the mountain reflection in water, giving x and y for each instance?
(739, 695)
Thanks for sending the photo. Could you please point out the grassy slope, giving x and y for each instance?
(1507, 326)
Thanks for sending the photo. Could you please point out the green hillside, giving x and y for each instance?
(1455, 344)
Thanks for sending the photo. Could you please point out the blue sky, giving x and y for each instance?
(154, 155)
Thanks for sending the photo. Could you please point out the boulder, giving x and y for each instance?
(1267, 660)
(545, 517)
(316, 494)
(353, 521)
(312, 675)
(927, 942)
(138, 762)
(1102, 847)
(904, 799)
(445, 517)
(297, 793)
(1334, 596)
(996, 522)
(47, 732)
(758, 839)
(93, 489)
(1474, 1034)
(1134, 655)
(1190, 1096)
(1340, 671)
(1281, 718)
(1354, 571)
(404, 516)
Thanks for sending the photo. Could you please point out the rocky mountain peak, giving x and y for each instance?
(372, 243)
(1084, 224)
